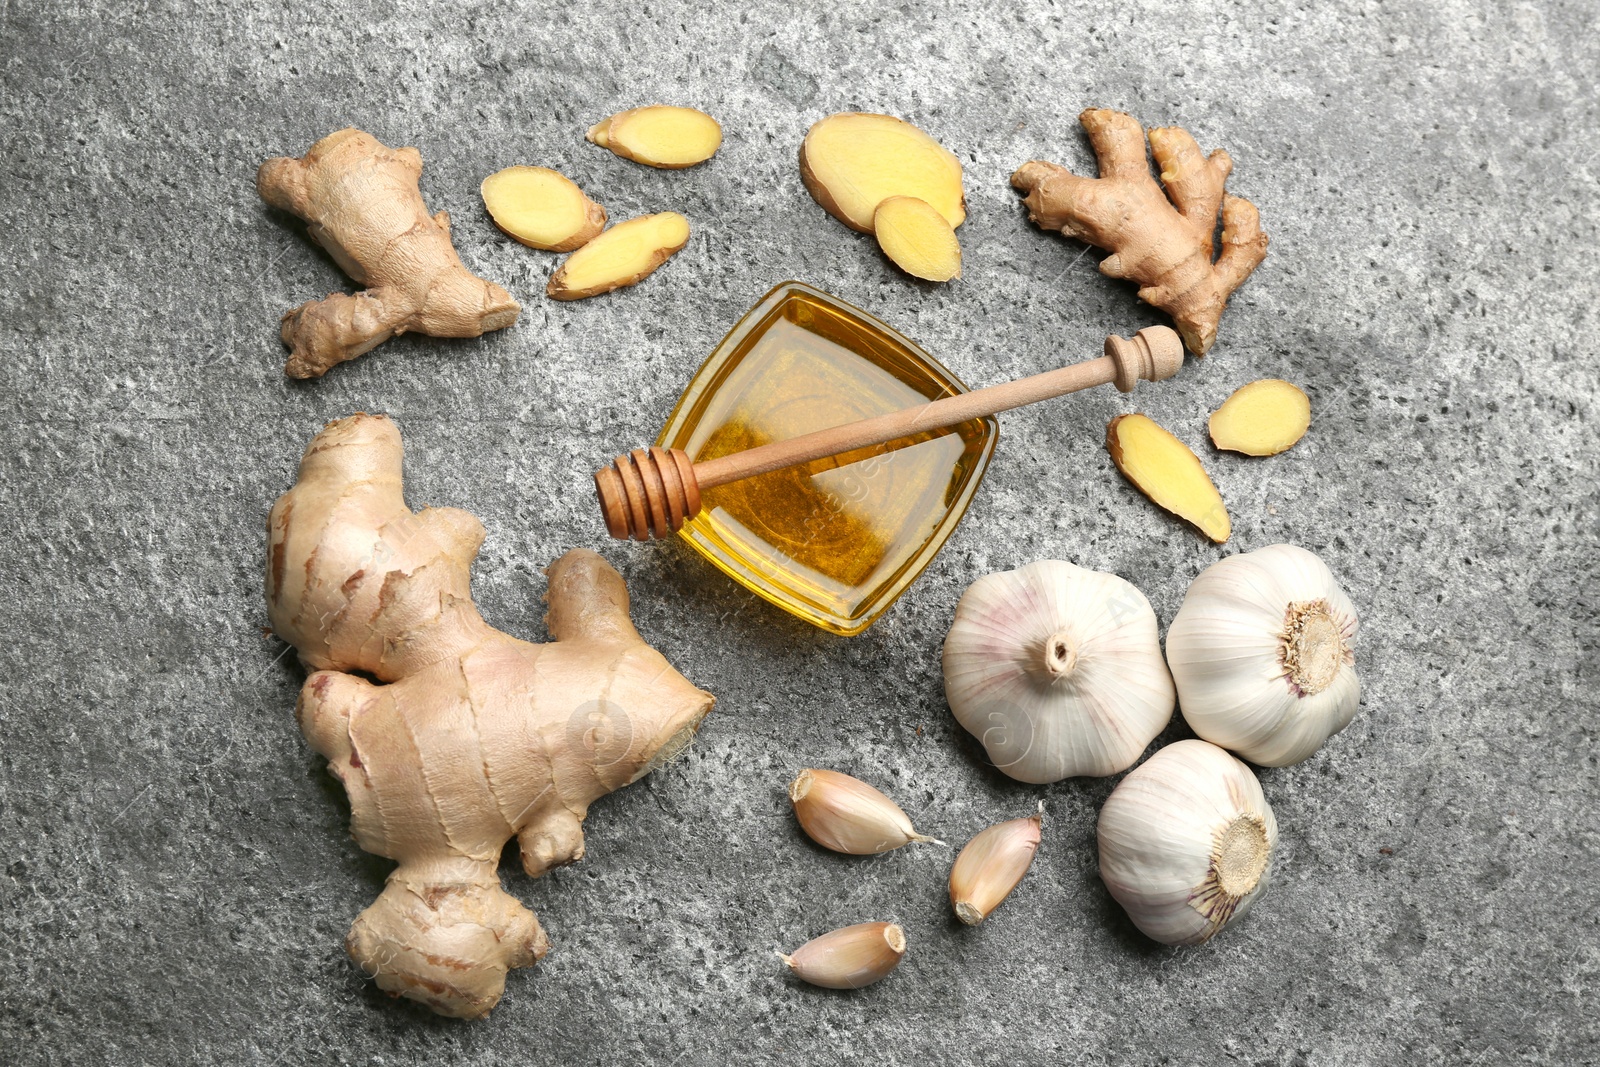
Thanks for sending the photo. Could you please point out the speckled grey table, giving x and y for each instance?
(177, 876)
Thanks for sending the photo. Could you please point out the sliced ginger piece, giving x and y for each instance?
(1262, 418)
(542, 208)
(852, 162)
(660, 136)
(1164, 469)
(917, 238)
(624, 255)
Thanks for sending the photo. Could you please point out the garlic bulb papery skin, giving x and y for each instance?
(1186, 842)
(1057, 670)
(1263, 654)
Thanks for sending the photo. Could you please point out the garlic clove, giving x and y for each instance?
(1263, 655)
(848, 815)
(1057, 670)
(991, 865)
(850, 958)
(1186, 842)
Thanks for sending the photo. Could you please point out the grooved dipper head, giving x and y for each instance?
(649, 492)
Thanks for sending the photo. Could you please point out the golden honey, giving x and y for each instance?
(837, 540)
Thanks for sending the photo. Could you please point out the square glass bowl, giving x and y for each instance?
(838, 540)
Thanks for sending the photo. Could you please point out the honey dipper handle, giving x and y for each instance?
(1153, 354)
(652, 492)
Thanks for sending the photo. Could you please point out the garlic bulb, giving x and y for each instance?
(1186, 842)
(1057, 670)
(1263, 653)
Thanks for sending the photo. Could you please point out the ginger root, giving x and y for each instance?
(1164, 469)
(852, 162)
(360, 201)
(1261, 419)
(660, 136)
(624, 255)
(451, 737)
(917, 239)
(1165, 246)
(542, 208)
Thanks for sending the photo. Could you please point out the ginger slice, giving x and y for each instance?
(917, 238)
(1164, 469)
(542, 208)
(852, 162)
(1159, 236)
(1262, 418)
(660, 136)
(624, 255)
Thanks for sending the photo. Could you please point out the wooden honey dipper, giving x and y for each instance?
(652, 492)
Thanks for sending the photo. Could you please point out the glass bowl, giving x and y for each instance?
(835, 541)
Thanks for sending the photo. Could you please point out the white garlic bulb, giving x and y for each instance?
(1263, 653)
(1057, 670)
(1186, 842)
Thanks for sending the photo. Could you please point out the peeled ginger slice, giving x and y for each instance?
(852, 162)
(660, 136)
(542, 208)
(624, 255)
(1261, 419)
(917, 238)
(1162, 468)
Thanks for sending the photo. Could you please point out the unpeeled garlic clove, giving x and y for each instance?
(848, 815)
(1186, 842)
(850, 958)
(991, 865)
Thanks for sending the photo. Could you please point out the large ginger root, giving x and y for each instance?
(1164, 246)
(360, 202)
(451, 737)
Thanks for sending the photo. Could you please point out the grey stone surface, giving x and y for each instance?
(177, 876)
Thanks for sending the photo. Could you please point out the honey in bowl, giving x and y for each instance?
(835, 541)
